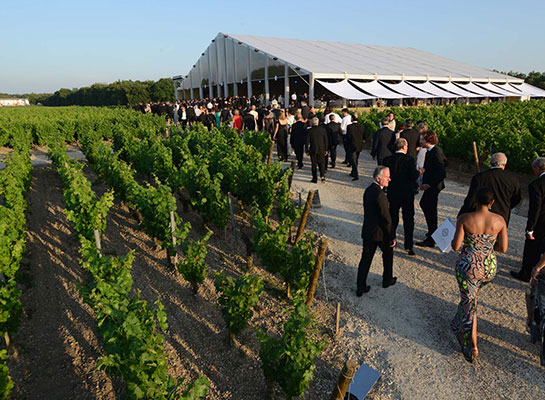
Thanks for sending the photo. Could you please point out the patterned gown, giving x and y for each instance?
(476, 266)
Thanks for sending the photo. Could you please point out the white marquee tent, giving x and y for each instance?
(268, 65)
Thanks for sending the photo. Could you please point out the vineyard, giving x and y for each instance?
(176, 264)
(205, 202)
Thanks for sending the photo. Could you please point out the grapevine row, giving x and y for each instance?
(126, 323)
(15, 181)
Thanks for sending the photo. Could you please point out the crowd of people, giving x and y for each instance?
(409, 160)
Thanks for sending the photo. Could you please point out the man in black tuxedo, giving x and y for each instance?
(333, 133)
(506, 188)
(317, 146)
(383, 142)
(412, 137)
(434, 173)
(402, 189)
(298, 139)
(355, 137)
(535, 226)
(376, 231)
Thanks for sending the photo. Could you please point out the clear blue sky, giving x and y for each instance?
(48, 45)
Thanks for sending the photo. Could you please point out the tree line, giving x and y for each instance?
(101, 94)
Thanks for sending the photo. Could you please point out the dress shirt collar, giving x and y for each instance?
(399, 151)
(378, 184)
(543, 173)
(429, 148)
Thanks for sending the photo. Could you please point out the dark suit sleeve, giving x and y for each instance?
(308, 141)
(326, 142)
(385, 218)
(516, 197)
(469, 204)
(374, 145)
(536, 202)
(413, 172)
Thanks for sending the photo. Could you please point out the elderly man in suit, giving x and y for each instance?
(376, 231)
(317, 146)
(433, 175)
(355, 137)
(535, 226)
(401, 190)
(383, 142)
(506, 188)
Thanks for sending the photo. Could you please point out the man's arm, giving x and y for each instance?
(536, 202)
(516, 197)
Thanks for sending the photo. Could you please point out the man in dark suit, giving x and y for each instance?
(376, 231)
(434, 173)
(333, 133)
(506, 188)
(383, 142)
(535, 226)
(412, 137)
(298, 139)
(355, 137)
(401, 190)
(317, 146)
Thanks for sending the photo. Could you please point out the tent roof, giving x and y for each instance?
(359, 61)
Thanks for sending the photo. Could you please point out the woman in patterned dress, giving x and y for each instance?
(481, 232)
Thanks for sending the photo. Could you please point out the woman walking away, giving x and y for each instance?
(481, 232)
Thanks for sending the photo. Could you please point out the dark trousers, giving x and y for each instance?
(353, 158)
(428, 203)
(369, 248)
(333, 155)
(407, 209)
(531, 255)
(299, 150)
(317, 160)
(282, 146)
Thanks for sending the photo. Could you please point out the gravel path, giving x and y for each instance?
(403, 331)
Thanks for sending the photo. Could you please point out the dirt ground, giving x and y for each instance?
(401, 331)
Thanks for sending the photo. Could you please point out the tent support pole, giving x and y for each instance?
(210, 94)
(286, 86)
(267, 94)
(249, 73)
(311, 90)
(235, 87)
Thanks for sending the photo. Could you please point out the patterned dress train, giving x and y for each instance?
(476, 266)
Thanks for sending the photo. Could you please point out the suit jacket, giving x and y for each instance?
(377, 222)
(355, 137)
(506, 190)
(333, 133)
(435, 168)
(413, 139)
(298, 135)
(536, 208)
(383, 143)
(403, 175)
(317, 140)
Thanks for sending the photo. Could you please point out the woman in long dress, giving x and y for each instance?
(481, 232)
(281, 137)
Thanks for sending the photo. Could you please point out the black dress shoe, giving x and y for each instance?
(519, 276)
(411, 252)
(323, 178)
(391, 283)
(365, 289)
(332, 166)
(314, 181)
(355, 179)
(426, 243)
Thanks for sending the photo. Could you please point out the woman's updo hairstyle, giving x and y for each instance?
(484, 196)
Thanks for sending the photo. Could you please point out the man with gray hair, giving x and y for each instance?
(317, 145)
(383, 142)
(376, 231)
(506, 188)
(535, 227)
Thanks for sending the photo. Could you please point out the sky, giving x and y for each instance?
(48, 45)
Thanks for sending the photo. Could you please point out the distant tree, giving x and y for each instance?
(162, 90)
(533, 78)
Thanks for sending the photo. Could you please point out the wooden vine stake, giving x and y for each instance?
(290, 177)
(172, 231)
(269, 160)
(97, 242)
(476, 155)
(316, 273)
(347, 374)
(303, 222)
(337, 320)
